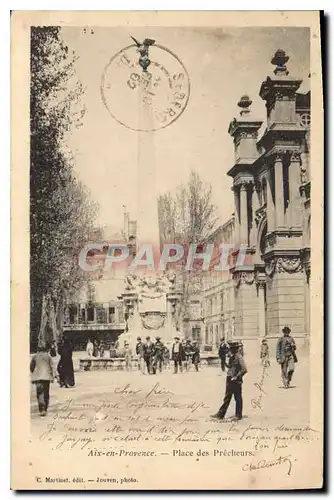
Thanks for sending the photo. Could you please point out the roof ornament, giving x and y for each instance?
(279, 60)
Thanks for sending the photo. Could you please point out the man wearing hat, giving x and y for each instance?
(148, 354)
(236, 370)
(140, 354)
(188, 352)
(223, 350)
(264, 353)
(158, 355)
(177, 354)
(286, 356)
(42, 373)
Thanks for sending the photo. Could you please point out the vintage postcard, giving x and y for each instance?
(167, 287)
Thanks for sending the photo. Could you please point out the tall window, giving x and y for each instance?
(286, 185)
(264, 191)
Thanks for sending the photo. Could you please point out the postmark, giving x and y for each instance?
(145, 100)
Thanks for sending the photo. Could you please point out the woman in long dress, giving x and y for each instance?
(65, 365)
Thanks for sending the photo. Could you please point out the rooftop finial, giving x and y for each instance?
(279, 60)
(244, 104)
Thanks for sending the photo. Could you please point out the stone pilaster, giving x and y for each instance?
(243, 214)
(294, 192)
(279, 191)
(285, 293)
(246, 307)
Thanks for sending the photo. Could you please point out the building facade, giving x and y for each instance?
(272, 193)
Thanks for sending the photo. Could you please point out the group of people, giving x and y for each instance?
(232, 356)
(99, 349)
(155, 355)
(44, 370)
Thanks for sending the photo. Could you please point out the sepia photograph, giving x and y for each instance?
(167, 307)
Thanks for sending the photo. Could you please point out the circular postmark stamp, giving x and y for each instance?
(146, 100)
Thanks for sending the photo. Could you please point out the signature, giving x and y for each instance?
(257, 402)
(266, 464)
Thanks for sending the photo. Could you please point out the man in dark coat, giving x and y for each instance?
(177, 355)
(140, 354)
(188, 353)
(286, 355)
(158, 355)
(65, 365)
(148, 354)
(196, 355)
(223, 350)
(236, 370)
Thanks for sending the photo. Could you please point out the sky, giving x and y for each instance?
(222, 64)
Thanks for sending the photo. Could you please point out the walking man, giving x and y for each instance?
(264, 354)
(177, 355)
(196, 355)
(140, 354)
(41, 368)
(223, 350)
(158, 356)
(286, 355)
(188, 352)
(236, 370)
(128, 356)
(148, 354)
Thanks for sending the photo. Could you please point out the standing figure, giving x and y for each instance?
(236, 371)
(53, 349)
(148, 354)
(90, 348)
(102, 349)
(112, 351)
(286, 355)
(188, 353)
(264, 353)
(41, 368)
(158, 356)
(196, 355)
(96, 348)
(223, 350)
(140, 354)
(177, 355)
(65, 365)
(166, 355)
(128, 356)
(241, 348)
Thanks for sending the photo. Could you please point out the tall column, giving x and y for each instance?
(279, 191)
(270, 203)
(262, 309)
(236, 215)
(255, 207)
(294, 194)
(243, 214)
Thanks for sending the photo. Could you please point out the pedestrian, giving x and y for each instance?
(177, 354)
(128, 356)
(223, 350)
(96, 348)
(236, 370)
(102, 349)
(90, 348)
(140, 354)
(148, 354)
(112, 351)
(264, 353)
(241, 349)
(166, 355)
(188, 353)
(286, 355)
(41, 368)
(195, 355)
(53, 349)
(158, 356)
(65, 365)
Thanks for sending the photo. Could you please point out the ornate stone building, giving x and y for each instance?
(271, 186)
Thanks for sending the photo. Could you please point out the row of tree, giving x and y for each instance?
(62, 216)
